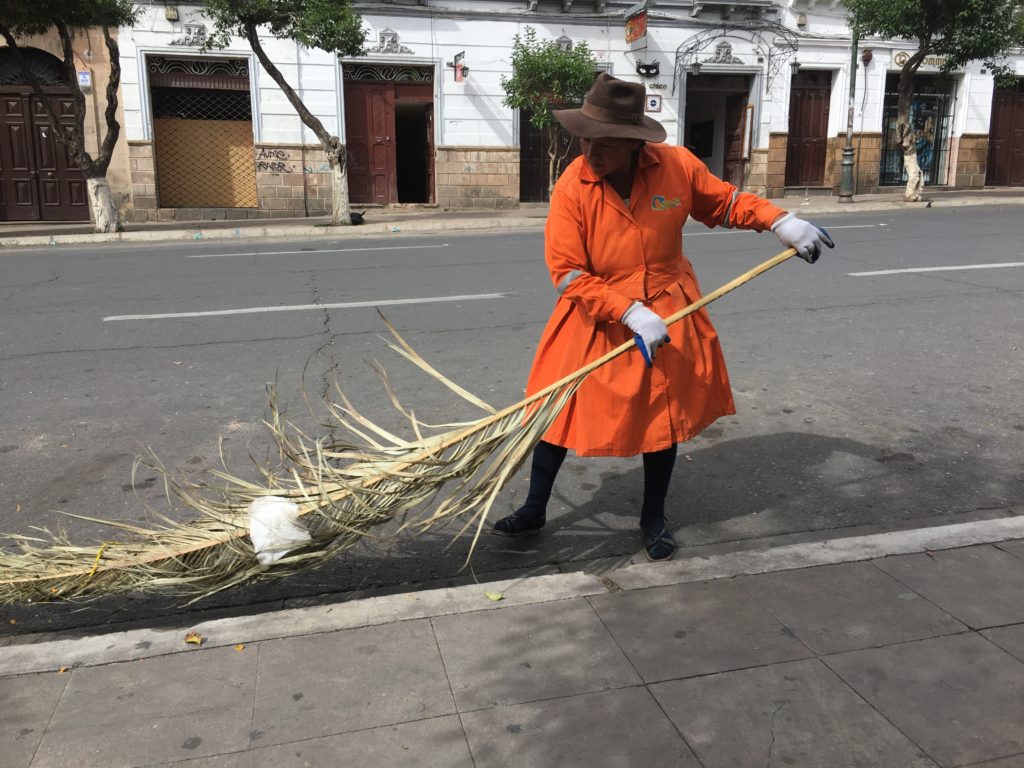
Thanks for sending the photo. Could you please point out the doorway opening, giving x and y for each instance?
(717, 123)
(412, 147)
(389, 133)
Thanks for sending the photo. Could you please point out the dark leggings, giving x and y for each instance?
(658, 466)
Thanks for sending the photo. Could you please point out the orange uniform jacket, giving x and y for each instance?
(602, 256)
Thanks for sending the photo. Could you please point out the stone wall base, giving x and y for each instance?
(295, 181)
(867, 160)
(479, 178)
(969, 155)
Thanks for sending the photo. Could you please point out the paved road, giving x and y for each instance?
(864, 400)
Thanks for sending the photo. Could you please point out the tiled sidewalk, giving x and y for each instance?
(906, 660)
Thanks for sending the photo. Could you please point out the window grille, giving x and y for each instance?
(201, 104)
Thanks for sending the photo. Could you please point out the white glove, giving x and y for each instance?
(803, 236)
(649, 330)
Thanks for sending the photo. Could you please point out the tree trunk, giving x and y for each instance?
(552, 158)
(332, 145)
(340, 213)
(905, 128)
(105, 217)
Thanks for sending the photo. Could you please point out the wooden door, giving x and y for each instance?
(430, 151)
(807, 145)
(369, 134)
(19, 198)
(39, 181)
(735, 112)
(62, 190)
(1006, 137)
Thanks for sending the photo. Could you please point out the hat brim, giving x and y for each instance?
(578, 124)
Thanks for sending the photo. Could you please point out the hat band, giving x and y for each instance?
(610, 116)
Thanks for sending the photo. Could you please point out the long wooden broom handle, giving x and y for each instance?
(675, 317)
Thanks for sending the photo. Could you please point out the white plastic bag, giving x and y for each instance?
(274, 528)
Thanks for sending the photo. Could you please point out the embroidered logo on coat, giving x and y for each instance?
(662, 203)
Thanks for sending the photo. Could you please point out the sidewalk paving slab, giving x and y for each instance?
(845, 607)
(28, 703)
(611, 729)
(982, 586)
(437, 742)
(797, 713)
(1010, 639)
(1013, 547)
(138, 712)
(695, 629)
(326, 684)
(960, 698)
(523, 654)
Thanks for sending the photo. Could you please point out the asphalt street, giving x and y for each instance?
(865, 401)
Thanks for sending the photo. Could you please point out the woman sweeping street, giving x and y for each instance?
(613, 246)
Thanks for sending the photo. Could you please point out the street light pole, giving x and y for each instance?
(846, 179)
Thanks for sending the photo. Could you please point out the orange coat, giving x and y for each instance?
(602, 256)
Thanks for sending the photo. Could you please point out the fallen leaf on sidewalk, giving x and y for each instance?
(62, 670)
(194, 638)
(495, 596)
(239, 647)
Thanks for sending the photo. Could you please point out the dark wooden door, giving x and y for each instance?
(807, 144)
(533, 158)
(735, 112)
(1006, 137)
(62, 190)
(19, 195)
(39, 181)
(369, 138)
(430, 152)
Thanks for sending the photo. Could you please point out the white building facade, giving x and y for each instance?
(758, 89)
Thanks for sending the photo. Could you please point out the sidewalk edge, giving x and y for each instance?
(115, 647)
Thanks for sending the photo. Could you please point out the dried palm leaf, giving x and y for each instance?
(343, 490)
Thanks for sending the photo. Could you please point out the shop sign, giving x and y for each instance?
(900, 58)
(636, 31)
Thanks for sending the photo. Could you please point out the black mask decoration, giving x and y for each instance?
(648, 70)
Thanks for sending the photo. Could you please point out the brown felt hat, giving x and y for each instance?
(612, 108)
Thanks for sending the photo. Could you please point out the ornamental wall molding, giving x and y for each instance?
(387, 42)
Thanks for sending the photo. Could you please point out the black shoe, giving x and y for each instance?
(522, 522)
(659, 546)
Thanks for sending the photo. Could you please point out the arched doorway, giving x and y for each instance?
(39, 180)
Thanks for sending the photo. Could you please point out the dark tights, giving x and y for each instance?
(658, 466)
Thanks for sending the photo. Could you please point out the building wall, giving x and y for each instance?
(476, 137)
(91, 55)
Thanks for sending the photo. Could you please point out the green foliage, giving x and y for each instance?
(959, 30)
(544, 74)
(331, 25)
(35, 17)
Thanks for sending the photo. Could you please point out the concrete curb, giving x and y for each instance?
(115, 647)
(294, 231)
(450, 224)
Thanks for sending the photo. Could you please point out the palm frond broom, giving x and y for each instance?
(342, 489)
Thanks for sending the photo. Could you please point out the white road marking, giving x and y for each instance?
(302, 307)
(936, 269)
(317, 250)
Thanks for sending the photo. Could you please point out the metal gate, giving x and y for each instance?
(202, 134)
(533, 158)
(929, 114)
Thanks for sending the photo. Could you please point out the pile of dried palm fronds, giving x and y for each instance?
(342, 489)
